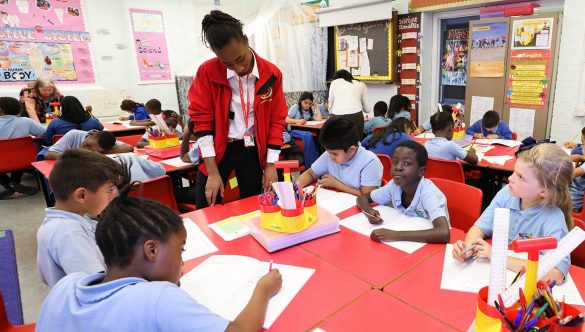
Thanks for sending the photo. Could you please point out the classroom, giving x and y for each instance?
(292, 165)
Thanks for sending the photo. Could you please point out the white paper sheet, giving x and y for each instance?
(499, 160)
(352, 43)
(233, 227)
(522, 122)
(224, 284)
(370, 44)
(499, 141)
(363, 42)
(480, 105)
(125, 124)
(176, 162)
(335, 202)
(470, 276)
(394, 220)
(479, 148)
(426, 134)
(197, 244)
(314, 122)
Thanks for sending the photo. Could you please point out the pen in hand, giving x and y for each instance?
(270, 266)
(373, 216)
(470, 248)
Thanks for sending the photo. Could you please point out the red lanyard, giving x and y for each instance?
(245, 107)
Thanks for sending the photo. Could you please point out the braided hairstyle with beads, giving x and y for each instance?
(128, 221)
(219, 28)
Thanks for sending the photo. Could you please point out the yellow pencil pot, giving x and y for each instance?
(172, 140)
(289, 220)
(158, 142)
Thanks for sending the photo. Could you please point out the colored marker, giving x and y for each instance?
(270, 266)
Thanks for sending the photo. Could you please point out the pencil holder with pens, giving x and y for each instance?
(275, 218)
(164, 141)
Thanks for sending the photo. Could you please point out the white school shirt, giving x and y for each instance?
(347, 98)
(237, 126)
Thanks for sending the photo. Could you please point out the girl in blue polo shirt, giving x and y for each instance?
(540, 205)
(139, 112)
(412, 194)
(441, 146)
(385, 140)
(141, 241)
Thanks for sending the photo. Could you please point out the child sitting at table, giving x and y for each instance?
(399, 107)
(300, 113)
(99, 141)
(141, 242)
(139, 115)
(539, 202)
(379, 119)
(171, 120)
(426, 126)
(578, 183)
(412, 194)
(84, 182)
(490, 126)
(385, 140)
(441, 146)
(345, 165)
(304, 110)
(12, 126)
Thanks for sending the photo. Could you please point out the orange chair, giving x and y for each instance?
(445, 169)
(159, 189)
(462, 212)
(387, 163)
(5, 324)
(132, 139)
(578, 255)
(57, 137)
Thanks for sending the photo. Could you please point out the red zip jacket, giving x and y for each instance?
(209, 103)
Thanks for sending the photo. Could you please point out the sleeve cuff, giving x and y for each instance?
(206, 147)
(272, 156)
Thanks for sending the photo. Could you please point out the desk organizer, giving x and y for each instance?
(162, 142)
(275, 218)
(458, 134)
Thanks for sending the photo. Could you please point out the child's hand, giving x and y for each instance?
(458, 249)
(302, 121)
(570, 145)
(123, 118)
(383, 234)
(88, 108)
(417, 132)
(478, 135)
(375, 220)
(483, 249)
(492, 136)
(271, 282)
(328, 181)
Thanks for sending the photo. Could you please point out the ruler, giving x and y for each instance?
(499, 254)
(547, 262)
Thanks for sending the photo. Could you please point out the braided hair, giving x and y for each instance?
(129, 221)
(219, 28)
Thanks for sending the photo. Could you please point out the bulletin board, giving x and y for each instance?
(41, 38)
(367, 50)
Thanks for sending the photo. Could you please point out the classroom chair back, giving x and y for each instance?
(444, 169)
(463, 202)
(578, 255)
(514, 135)
(387, 164)
(17, 154)
(130, 139)
(581, 214)
(159, 189)
(57, 137)
(7, 326)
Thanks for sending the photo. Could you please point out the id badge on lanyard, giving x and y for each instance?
(248, 137)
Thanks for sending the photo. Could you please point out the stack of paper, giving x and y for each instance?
(197, 243)
(333, 201)
(233, 227)
(506, 142)
(326, 224)
(225, 283)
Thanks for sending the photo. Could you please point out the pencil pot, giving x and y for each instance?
(157, 142)
(172, 140)
(486, 317)
(270, 216)
(311, 210)
(568, 310)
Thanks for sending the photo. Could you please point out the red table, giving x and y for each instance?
(122, 130)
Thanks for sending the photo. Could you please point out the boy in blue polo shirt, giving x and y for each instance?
(412, 194)
(379, 120)
(99, 141)
(441, 146)
(345, 165)
(12, 126)
(490, 127)
(84, 182)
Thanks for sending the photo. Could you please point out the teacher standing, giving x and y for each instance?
(239, 110)
(348, 98)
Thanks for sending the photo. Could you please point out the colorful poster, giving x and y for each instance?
(454, 62)
(488, 49)
(41, 38)
(150, 44)
(528, 81)
(532, 34)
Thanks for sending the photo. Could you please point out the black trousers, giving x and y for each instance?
(248, 172)
(6, 180)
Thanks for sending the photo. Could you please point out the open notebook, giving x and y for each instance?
(224, 284)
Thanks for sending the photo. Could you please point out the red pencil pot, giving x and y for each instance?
(569, 310)
(293, 212)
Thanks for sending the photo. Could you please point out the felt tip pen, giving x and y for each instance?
(270, 266)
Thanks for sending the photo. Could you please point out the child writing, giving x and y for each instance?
(441, 146)
(345, 165)
(379, 120)
(412, 194)
(12, 126)
(171, 120)
(304, 110)
(139, 114)
(141, 241)
(426, 126)
(84, 182)
(540, 205)
(385, 140)
(490, 126)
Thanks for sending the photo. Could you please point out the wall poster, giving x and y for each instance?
(532, 34)
(454, 62)
(528, 81)
(488, 49)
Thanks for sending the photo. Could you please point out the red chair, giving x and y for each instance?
(463, 202)
(578, 255)
(387, 163)
(57, 137)
(5, 324)
(132, 139)
(159, 189)
(445, 169)
(17, 154)
(514, 135)
(581, 214)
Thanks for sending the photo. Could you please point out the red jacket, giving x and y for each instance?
(209, 103)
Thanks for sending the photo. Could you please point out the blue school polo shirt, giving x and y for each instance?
(364, 169)
(140, 169)
(402, 114)
(428, 202)
(60, 126)
(536, 221)
(81, 303)
(388, 149)
(140, 113)
(502, 130)
(66, 244)
(378, 121)
(71, 140)
(296, 113)
(441, 148)
(577, 188)
(12, 126)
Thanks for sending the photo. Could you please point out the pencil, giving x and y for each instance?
(373, 216)
(270, 266)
